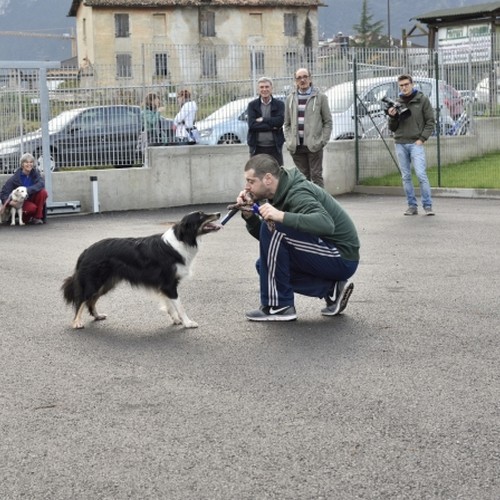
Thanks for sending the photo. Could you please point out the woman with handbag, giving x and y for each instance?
(184, 121)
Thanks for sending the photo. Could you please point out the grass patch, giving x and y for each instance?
(480, 173)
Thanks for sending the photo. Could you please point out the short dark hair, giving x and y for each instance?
(405, 77)
(263, 164)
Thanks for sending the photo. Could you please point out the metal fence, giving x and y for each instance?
(223, 78)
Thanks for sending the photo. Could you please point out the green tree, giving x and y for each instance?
(368, 32)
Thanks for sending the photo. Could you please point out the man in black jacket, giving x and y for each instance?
(266, 115)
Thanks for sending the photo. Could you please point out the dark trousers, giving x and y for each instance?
(269, 150)
(310, 164)
(295, 262)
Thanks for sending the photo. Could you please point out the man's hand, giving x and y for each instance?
(269, 213)
(392, 111)
(244, 198)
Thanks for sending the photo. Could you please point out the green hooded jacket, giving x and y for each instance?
(310, 209)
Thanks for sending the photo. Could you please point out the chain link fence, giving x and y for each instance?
(222, 79)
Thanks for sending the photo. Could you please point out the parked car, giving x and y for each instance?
(371, 109)
(228, 124)
(99, 135)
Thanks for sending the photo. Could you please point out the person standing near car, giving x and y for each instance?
(266, 116)
(308, 126)
(411, 130)
(27, 175)
(185, 119)
(151, 120)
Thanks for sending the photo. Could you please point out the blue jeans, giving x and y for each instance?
(295, 262)
(413, 153)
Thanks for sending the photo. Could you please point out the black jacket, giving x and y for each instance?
(274, 124)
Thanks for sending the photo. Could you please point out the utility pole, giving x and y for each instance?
(389, 22)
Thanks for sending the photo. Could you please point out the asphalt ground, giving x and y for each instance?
(398, 398)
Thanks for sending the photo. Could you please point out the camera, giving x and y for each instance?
(401, 110)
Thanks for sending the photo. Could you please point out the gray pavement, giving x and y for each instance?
(398, 398)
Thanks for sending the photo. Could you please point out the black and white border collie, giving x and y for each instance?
(158, 262)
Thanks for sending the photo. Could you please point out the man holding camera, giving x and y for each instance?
(412, 122)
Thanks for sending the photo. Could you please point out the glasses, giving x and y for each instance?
(402, 85)
(302, 77)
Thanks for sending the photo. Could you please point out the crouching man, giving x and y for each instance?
(308, 243)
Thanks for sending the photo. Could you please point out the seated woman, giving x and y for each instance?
(28, 176)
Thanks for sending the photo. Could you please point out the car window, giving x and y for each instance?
(90, 120)
(123, 117)
(377, 93)
(424, 87)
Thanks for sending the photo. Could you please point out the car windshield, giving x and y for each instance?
(59, 121)
(341, 96)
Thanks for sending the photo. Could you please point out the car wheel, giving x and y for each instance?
(229, 139)
(53, 166)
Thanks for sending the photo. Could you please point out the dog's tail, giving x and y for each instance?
(70, 290)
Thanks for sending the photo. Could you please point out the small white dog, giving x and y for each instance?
(16, 200)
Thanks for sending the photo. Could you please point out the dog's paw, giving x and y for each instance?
(12, 223)
(21, 223)
(190, 324)
(100, 317)
(77, 325)
(176, 320)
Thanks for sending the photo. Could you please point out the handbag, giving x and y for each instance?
(194, 135)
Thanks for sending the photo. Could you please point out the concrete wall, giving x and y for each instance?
(187, 175)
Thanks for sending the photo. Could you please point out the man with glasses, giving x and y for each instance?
(411, 129)
(308, 126)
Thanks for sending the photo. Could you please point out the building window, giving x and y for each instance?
(291, 25)
(207, 23)
(159, 24)
(161, 64)
(257, 62)
(122, 26)
(255, 27)
(123, 65)
(291, 62)
(208, 63)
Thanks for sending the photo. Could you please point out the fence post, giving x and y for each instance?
(254, 70)
(438, 117)
(356, 138)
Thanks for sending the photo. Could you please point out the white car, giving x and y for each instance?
(227, 125)
(372, 120)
